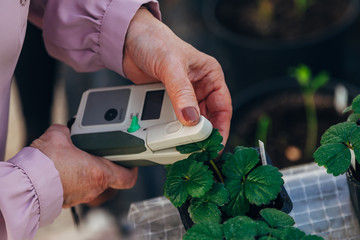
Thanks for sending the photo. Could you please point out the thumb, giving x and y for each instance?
(121, 177)
(183, 98)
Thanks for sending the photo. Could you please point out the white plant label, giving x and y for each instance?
(353, 160)
(262, 153)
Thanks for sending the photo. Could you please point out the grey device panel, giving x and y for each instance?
(106, 107)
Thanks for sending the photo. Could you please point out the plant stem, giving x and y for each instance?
(217, 171)
(312, 126)
(262, 128)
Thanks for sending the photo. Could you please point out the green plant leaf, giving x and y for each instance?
(339, 133)
(241, 163)
(312, 237)
(186, 178)
(262, 228)
(302, 74)
(207, 149)
(238, 204)
(292, 233)
(355, 138)
(217, 194)
(263, 184)
(356, 104)
(202, 180)
(206, 208)
(354, 117)
(336, 142)
(347, 109)
(235, 170)
(199, 156)
(190, 148)
(175, 190)
(226, 156)
(267, 238)
(240, 228)
(168, 167)
(203, 211)
(319, 80)
(204, 156)
(276, 232)
(204, 231)
(336, 157)
(297, 234)
(239, 148)
(355, 143)
(276, 218)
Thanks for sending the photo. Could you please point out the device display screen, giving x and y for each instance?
(152, 105)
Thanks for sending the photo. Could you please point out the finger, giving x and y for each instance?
(59, 129)
(219, 109)
(182, 96)
(121, 177)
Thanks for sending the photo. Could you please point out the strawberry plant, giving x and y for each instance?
(340, 144)
(223, 194)
(275, 224)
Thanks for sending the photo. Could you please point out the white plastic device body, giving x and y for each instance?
(104, 125)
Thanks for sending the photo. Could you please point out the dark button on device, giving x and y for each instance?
(23, 2)
(111, 114)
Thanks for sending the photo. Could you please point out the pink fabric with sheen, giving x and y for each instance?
(96, 21)
(87, 35)
(31, 194)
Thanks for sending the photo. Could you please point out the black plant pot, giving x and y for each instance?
(281, 100)
(282, 202)
(254, 59)
(354, 188)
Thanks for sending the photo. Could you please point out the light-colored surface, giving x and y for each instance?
(98, 225)
(321, 206)
(15, 138)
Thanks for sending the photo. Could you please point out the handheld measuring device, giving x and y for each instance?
(133, 125)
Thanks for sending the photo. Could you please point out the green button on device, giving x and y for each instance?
(134, 126)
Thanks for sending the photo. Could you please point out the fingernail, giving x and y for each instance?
(190, 114)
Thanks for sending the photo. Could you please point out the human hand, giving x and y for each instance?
(83, 176)
(194, 81)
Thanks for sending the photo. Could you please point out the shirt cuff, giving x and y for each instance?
(120, 11)
(45, 178)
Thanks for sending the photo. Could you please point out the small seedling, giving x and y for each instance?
(262, 129)
(309, 85)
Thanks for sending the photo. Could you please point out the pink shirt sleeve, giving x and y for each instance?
(89, 35)
(31, 194)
